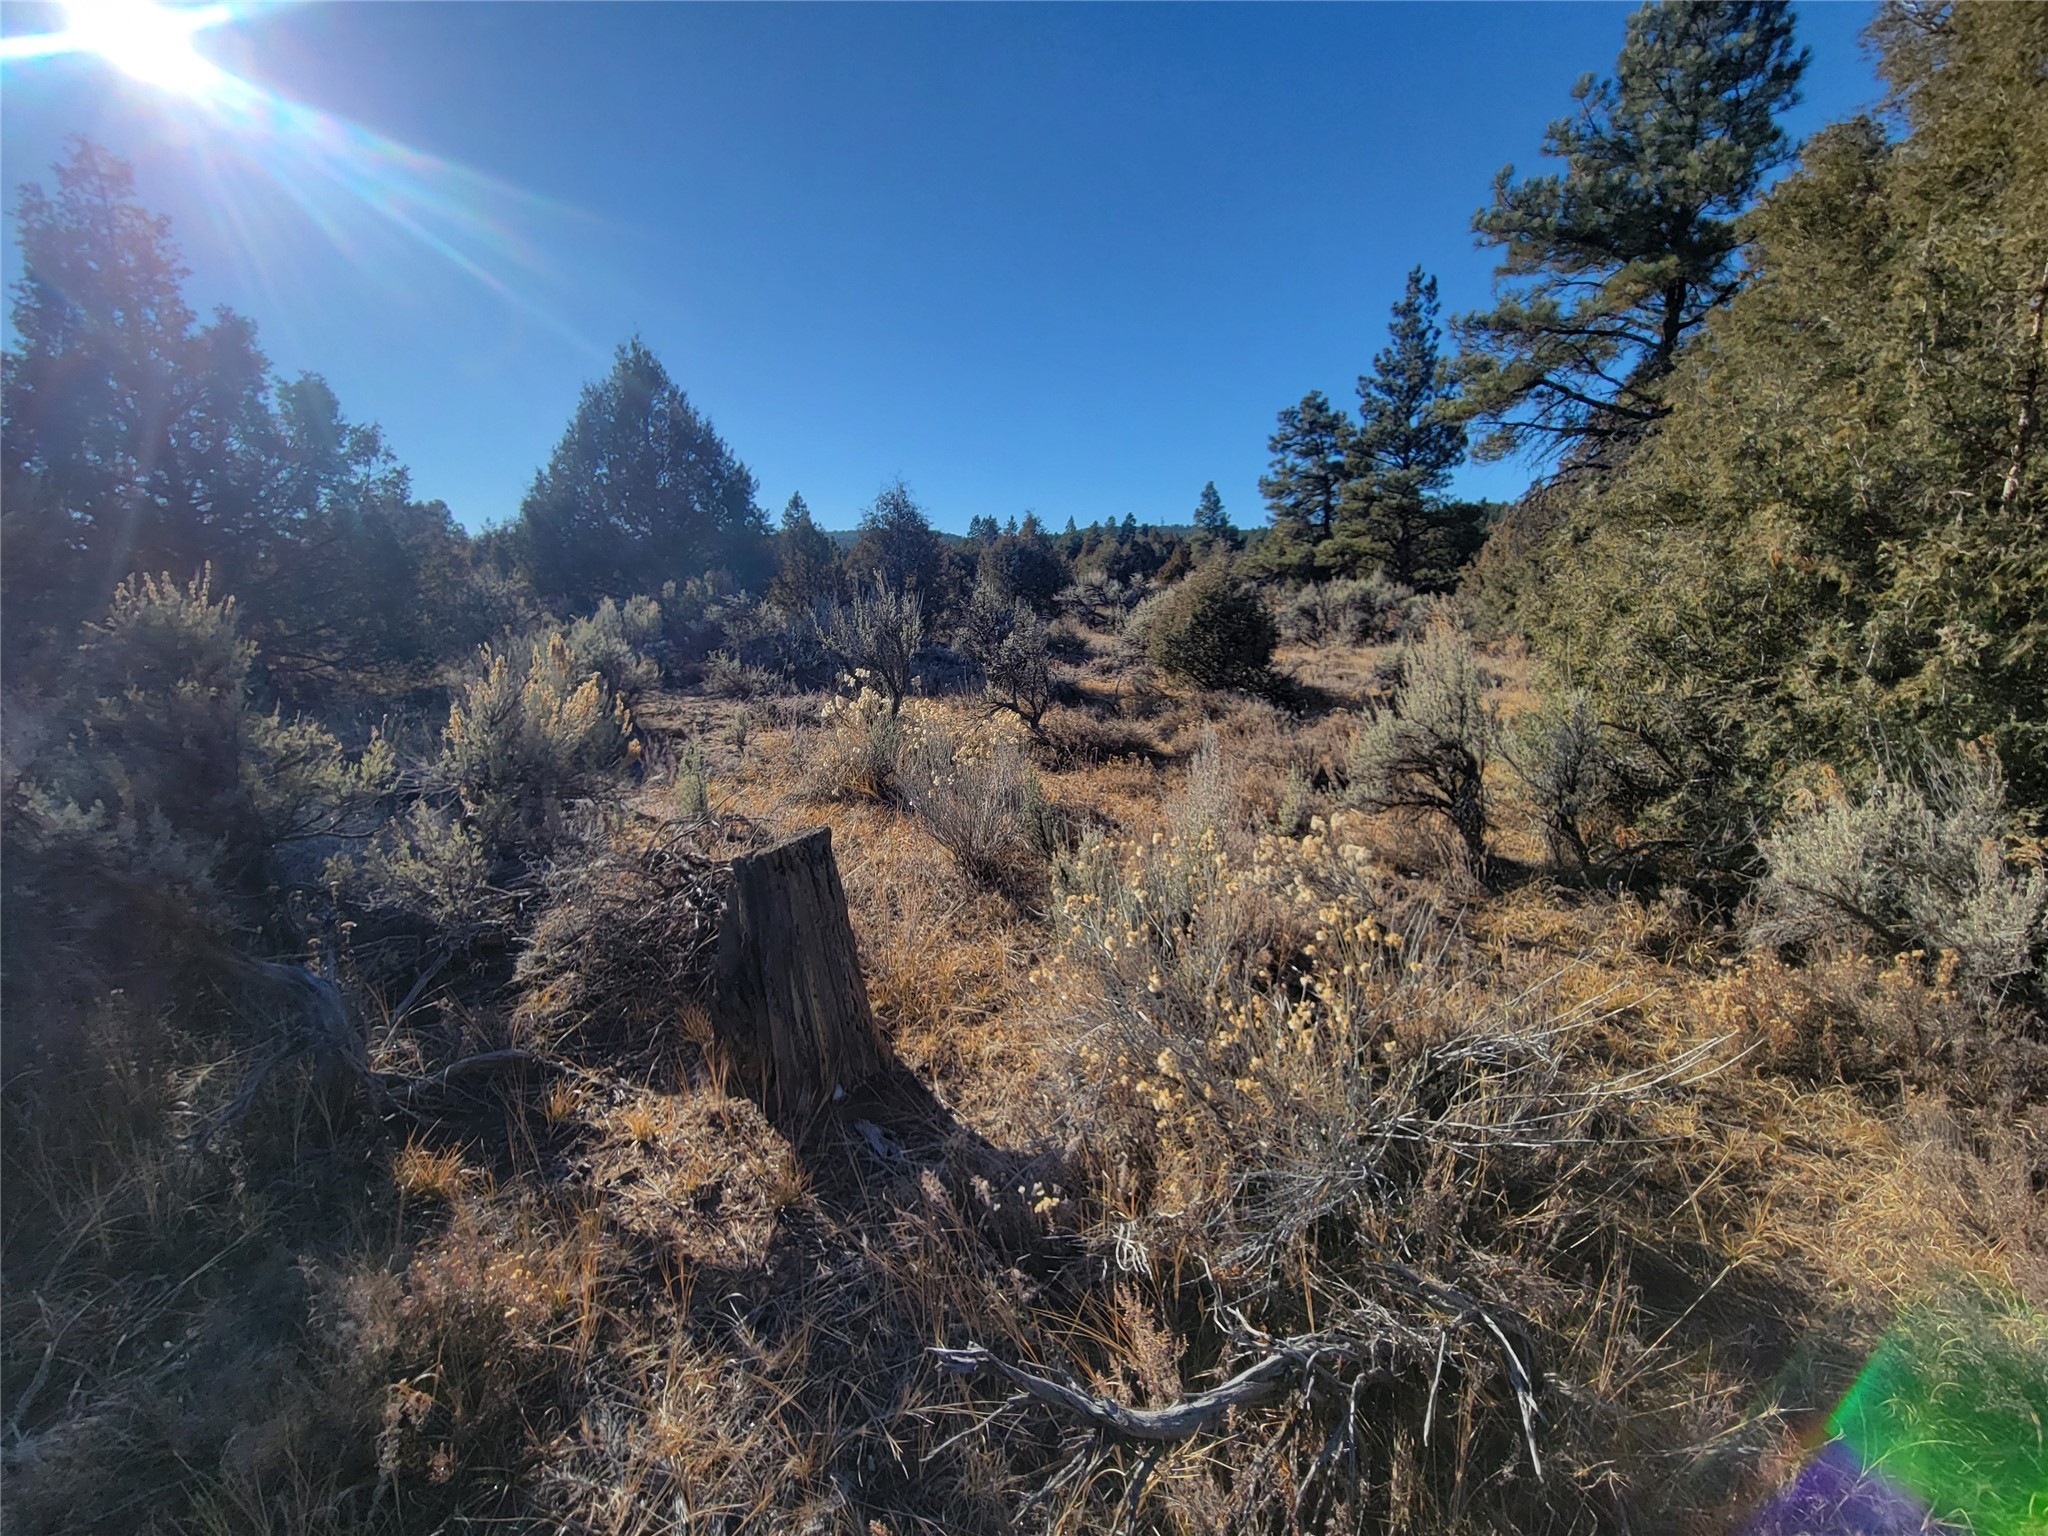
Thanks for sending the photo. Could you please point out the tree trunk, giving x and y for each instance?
(791, 1009)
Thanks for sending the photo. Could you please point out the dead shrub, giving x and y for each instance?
(625, 943)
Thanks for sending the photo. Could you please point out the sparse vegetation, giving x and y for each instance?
(376, 1154)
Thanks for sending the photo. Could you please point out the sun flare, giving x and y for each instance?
(149, 42)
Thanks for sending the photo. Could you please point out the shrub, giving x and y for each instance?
(976, 793)
(853, 754)
(1347, 611)
(1297, 799)
(1011, 646)
(1578, 785)
(876, 638)
(1428, 753)
(1930, 861)
(693, 784)
(1212, 631)
(156, 836)
(614, 643)
(170, 738)
(1098, 599)
(427, 867)
(727, 677)
(1134, 630)
(523, 741)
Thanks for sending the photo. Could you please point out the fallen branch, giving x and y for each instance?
(1260, 1384)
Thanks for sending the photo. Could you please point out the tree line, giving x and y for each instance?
(1786, 401)
(141, 437)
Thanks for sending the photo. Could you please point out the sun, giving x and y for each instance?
(148, 42)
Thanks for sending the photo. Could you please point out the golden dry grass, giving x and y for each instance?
(599, 1302)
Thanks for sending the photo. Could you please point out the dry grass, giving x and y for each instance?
(1202, 1083)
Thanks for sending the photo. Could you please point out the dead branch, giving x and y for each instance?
(1259, 1384)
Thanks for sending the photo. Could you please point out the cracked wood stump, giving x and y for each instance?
(791, 1011)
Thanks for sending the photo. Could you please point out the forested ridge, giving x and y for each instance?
(1402, 1012)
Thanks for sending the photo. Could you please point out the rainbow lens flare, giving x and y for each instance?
(1946, 1427)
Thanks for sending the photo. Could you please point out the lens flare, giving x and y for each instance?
(1945, 1427)
(347, 181)
(152, 43)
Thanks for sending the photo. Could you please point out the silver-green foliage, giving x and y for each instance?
(693, 784)
(980, 799)
(615, 642)
(1577, 781)
(1926, 860)
(167, 734)
(1362, 610)
(877, 636)
(525, 737)
(528, 739)
(1428, 752)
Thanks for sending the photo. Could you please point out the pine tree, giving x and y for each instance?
(1310, 450)
(1402, 454)
(1609, 267)
(1212, 522)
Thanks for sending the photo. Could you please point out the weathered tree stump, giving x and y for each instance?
(790, 1009)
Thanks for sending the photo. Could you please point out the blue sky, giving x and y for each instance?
(1063, 258)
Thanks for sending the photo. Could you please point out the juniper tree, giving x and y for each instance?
(1609, 266)
(1837, 537)
(639, 491)
(806, 560)
(897, 546)
(137, 438)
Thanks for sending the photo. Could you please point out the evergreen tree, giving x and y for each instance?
(362, 587)
(1837, 538)
(1023, 566)
(138, 440)
(806, 560)
(1390, 515)
(1310, 449)
(134, 437)
(897, 546)
(1610, 266)
(640, 491)
(1212, 523)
